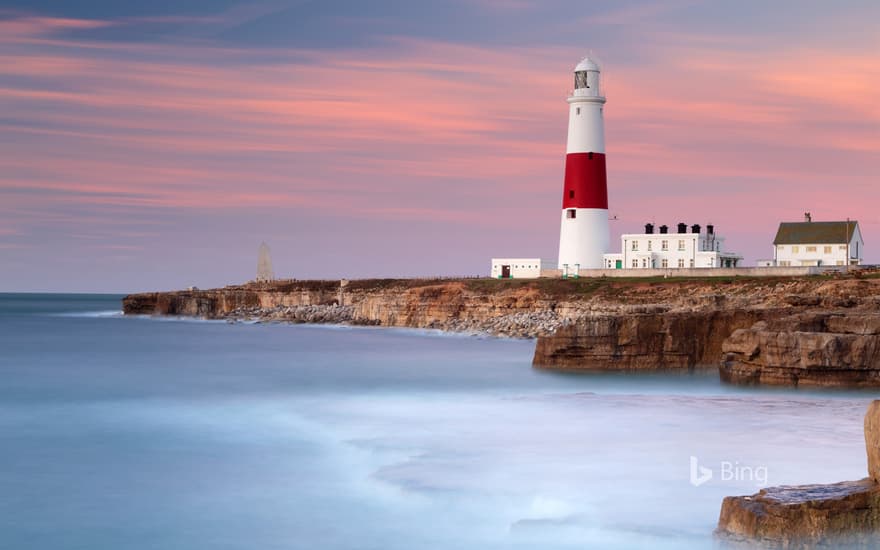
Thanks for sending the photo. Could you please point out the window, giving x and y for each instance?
(644, 262)
(649, 246)
(692, 262)
(681, 262)
(635, 245)
(681, 246)
(839, 262)
(842, 247)
(795, 249)
(571, 214)
(635, 263)
(664, 263)
(784, 263)
(664, 245)
(577, 111)
(571, 194)
(827, 250)
(811, 249)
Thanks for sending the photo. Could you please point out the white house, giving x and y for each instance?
(665, 250)
(810, 243)
(519, 268)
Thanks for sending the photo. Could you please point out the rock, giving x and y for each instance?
(872, 439)
(812, 516)
(816, 349)
(641, 341)
(807, 516)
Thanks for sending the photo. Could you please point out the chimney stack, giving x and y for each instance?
(710, 229)
(695, 228)
(682, 228)
(649, 228)
(664, 230)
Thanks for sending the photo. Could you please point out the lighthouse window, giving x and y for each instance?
(571, 194)
(570, 214)
(577, 111)
(580, 80)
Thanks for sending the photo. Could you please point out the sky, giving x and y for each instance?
(155, 145)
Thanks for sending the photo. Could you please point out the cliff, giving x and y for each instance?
(802, 330)
(826, 348)
(764, 328)
(644, 339)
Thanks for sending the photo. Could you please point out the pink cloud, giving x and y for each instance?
(420, 130)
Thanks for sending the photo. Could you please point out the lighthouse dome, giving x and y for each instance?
(587, 64)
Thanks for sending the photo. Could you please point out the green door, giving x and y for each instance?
(618, 264)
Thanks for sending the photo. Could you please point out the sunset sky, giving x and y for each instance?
(154, 145)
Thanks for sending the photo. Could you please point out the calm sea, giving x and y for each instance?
(142, 433)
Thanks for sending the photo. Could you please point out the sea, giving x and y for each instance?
(124, 432)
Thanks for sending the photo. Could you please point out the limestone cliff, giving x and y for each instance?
(827, 348)
(644, 340)
(821, 325)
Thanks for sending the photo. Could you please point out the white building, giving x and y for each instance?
(664, 250)
(519, 268)
(810, 243)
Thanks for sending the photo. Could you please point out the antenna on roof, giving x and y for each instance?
(808, 217)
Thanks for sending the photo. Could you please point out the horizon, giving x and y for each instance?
(155, 147)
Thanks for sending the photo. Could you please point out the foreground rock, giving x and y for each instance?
(811, 349)
(845, 514)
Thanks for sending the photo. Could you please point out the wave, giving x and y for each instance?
(90, 314)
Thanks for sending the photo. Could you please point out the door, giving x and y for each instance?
(505, 272)
(618, 264)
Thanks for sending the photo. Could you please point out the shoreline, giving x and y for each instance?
(816, 330)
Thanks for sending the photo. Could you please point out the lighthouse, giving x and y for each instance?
(583, 237)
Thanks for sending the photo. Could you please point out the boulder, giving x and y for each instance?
(872, 440)
(811, 516)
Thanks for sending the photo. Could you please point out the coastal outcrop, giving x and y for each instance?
(645, 338)
(786, 330)
(824, 349)
(837, 515)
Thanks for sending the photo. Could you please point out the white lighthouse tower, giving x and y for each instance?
(583, 237)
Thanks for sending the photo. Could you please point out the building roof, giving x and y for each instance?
(815, 232)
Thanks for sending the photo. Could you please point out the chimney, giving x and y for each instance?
(808, 217)
(710, 229)
(695, 228)
(682, 228)
(664, 230)
(649, 228)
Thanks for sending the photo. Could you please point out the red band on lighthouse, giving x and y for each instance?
(585, 181)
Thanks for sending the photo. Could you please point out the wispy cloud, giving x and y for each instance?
(417, 130)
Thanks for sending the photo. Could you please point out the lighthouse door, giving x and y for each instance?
(505, 272)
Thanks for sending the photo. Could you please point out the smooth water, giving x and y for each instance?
(142, 433)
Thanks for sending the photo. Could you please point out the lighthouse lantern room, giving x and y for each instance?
(584, 235)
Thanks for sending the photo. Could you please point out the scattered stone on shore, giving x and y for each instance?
(837, 515)
(317, 314)
(515, 325)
